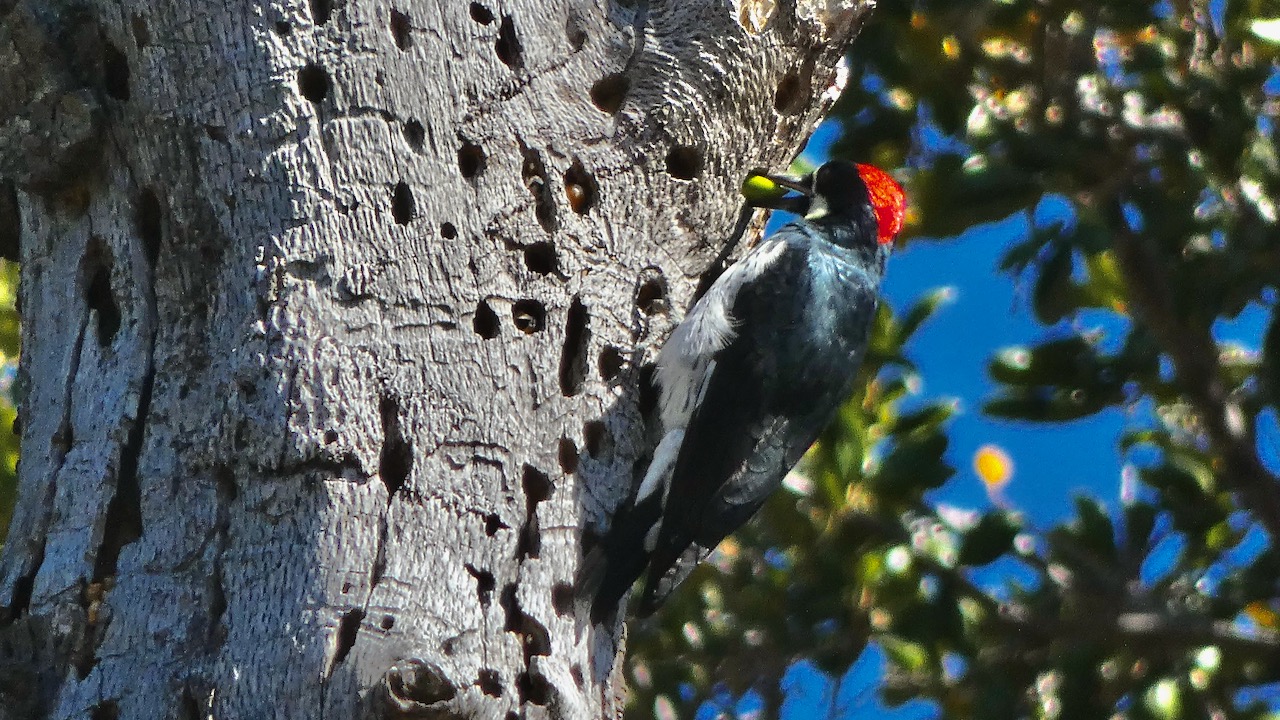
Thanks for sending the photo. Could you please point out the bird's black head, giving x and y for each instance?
(838, 185)
(845, 192)
(862, 201)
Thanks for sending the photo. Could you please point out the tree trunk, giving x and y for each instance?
(334, 320)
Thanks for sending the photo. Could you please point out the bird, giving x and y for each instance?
(748, 380)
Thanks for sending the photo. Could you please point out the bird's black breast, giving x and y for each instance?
(822, 299)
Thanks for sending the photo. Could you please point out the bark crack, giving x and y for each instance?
(123, 523)
(226, 491)
(535, 639)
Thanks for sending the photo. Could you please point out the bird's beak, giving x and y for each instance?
(803, 185)
(778, 192)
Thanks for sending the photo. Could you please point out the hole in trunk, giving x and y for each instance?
(313, 82)
(508, 47)
(401, 29)
(684, 162)
(573, 357)
(610, 91)
(348, 628)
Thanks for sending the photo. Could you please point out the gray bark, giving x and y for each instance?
(334, 315)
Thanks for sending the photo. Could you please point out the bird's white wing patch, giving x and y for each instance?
(685, 363)
(664, 458)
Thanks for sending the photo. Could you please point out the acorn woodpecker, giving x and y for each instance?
(749, 379)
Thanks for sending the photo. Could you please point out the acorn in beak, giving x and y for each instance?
(778, 192)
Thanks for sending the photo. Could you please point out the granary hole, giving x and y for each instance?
(489, 682)
(610, 91)
(415, 134)
(508, 46)
(533, 172)
(541, 258)
(147, 217)
(574, 31)
(684, 162)
(485, 321)
(481, 14)
(581, 188)
(484, 584)
(395, 462)
(348, 629)
(321, 10)
(115, 72)
(573, 356)
(141, 34)
(562, 598)
(790, 95)
(529, 316)
(595, 434)
(402, 203)
(567, 454)
(99, 295)
(610, 362)
(313, 82)
(470, 159)
(533, 688)
(651, 297)
(401, 29)
(493, 523)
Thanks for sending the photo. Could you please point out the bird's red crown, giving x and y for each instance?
(887, 198)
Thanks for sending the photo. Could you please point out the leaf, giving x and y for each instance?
(912, 467)
(1105, 287)
(1052, 297)
(1044, 405)
(923, 310)
(1139, 521)
(1094, 529)
(1065, 362)
(1018, 257)
(925, 419)
(1194, 511)
(989, 539)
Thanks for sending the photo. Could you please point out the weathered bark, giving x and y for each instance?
(334, 316)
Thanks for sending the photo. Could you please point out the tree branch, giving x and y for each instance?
(1195, 358)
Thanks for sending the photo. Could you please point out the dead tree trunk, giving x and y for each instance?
(334, 315)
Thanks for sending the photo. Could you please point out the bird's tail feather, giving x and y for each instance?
(591, 574)
(658, 587)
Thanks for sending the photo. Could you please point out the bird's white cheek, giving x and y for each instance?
(817, 208)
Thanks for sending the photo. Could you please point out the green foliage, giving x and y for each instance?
(1157, 126)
